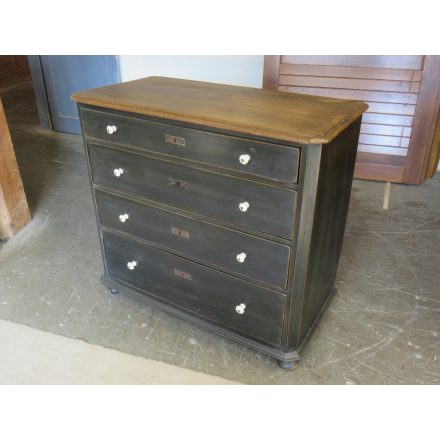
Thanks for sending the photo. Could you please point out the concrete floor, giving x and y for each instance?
(30, 356)
(382, 327)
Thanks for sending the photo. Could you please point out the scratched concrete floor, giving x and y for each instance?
(382, 327)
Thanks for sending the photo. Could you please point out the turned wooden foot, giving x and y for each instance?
(287, 365)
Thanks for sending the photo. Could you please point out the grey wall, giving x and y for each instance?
(243, 70)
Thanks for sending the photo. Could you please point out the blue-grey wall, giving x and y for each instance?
(243, 70)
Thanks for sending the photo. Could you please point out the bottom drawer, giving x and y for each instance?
(235, 303)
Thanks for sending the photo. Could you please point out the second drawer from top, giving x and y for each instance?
(264, 159)
(258, 206)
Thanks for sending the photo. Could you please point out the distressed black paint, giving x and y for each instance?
(296, 230)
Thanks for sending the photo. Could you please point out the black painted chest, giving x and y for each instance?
(234, 228)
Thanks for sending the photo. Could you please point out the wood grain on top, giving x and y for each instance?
(286, 116)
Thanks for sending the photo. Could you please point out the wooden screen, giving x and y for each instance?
(403, 97)
(13, 69)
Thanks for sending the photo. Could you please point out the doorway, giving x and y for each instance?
(57, 77)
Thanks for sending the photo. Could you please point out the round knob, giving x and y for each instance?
(244, 159)
(240, 309)
(244, 206)
(118, 172)
(111, 129)
(123, 218)
(241, 257)
(132, 264)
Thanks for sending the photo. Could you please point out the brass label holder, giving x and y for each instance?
(182, 274)
(175, 140)
(177, 183)
(179, 232)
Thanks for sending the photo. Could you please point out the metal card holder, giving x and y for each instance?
(182, 274)
(175, 140)
(179, 232)
(177, 183)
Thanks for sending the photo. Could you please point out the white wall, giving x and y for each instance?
(243, 70)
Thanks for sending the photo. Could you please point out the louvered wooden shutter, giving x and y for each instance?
(390, 85)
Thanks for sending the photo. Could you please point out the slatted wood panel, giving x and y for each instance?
(394, 87)
(390, 93)
(412, 62)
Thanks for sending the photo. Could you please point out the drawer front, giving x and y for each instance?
(263, 207)
(263, 260)
(196, 288)
(265, 159)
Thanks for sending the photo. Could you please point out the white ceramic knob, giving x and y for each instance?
(132, 264)
(240, 309)
(241, 257)
(244, 206)
(118, 172)
(123, 218)
(111, 129)
(244, 159)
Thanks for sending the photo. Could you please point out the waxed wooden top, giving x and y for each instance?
(286, 116)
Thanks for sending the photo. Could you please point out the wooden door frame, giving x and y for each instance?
(40, 89)
(271, 72)
(425, 119)
(427, 109)
(14, 210)
(434, 155)
(40, 92)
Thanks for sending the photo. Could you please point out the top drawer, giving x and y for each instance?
(251, 157)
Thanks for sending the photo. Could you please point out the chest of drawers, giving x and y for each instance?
(222, 205)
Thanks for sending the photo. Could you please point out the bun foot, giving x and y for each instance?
(114, 291)
(287, 365)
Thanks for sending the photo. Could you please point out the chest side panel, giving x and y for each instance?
(325, 206)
